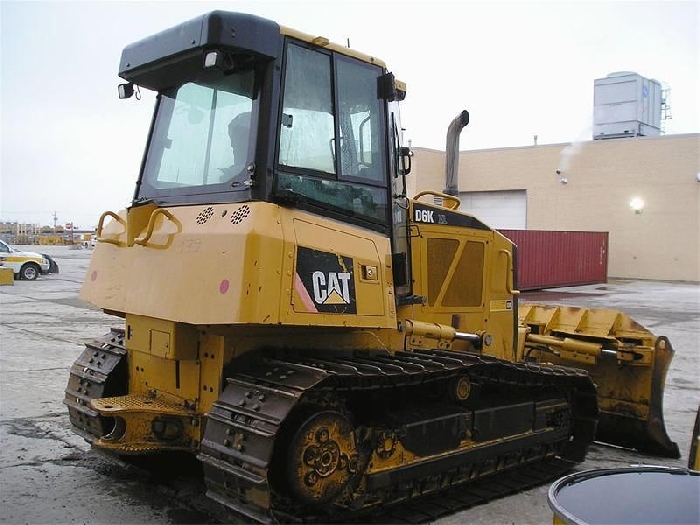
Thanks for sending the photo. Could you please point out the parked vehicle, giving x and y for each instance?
(26, 265)
(53, 265)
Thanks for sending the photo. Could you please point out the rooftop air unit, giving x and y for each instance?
(626, 105)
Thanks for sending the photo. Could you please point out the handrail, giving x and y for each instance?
(100, 226)
(455, 201)
(509, 276)
(143, 241)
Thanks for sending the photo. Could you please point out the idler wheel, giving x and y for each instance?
(322, 457)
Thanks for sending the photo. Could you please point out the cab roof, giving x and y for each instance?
(163, 59)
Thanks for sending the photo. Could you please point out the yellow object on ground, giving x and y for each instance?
(7, 277)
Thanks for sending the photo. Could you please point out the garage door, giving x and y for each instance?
(498, 209)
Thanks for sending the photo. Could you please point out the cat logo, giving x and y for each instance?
(331, 288)
(324, 282)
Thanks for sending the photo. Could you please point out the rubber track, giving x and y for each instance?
(245, 421)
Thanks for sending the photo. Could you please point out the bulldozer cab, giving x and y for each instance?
(273, 115)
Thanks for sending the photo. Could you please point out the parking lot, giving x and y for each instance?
(49, 475)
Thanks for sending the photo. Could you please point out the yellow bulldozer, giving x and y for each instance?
(322, 342)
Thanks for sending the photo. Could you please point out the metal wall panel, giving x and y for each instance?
(498, 209)
(626, 104)
(549, 259)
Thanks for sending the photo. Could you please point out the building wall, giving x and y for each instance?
(662, 242)
(19, 233)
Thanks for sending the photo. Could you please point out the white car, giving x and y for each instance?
(26, 265)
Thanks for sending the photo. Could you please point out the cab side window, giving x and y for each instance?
(307, 135)
(331, 147)
(360, 127)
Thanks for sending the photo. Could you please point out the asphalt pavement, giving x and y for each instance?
(50, 475)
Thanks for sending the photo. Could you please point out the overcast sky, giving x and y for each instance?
(68, 145)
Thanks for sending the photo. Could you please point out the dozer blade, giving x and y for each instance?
(626, 361)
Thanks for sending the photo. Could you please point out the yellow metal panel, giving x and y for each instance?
(363, 252)
(499, 279)
(501, 306)
(440, 256)
(343, 245)
(462, 290)
(148, 374)
(7, 276)
(160, 343)
(204, 264)
(478, 277)
(161, 338)
(138, 221)
(211, 358)
(438, 243)
(225, 264)
(189, 380)
(108, 277)
(138, 332)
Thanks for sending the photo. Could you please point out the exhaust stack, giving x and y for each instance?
(452, 153)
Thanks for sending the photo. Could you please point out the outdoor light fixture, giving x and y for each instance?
(213, 59)
(637, 204)
(562, 179)
(217, 59)
(126, 90)
(129, 90)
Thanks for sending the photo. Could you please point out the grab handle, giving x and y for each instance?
(100, 226)
(509, 275)
(454, 202)
(143, 241)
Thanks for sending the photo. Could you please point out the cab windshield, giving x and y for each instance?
(203, 137)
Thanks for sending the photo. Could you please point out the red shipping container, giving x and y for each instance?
(549, 259)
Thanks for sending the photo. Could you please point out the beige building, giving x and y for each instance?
(19, 233)
(599, 181)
